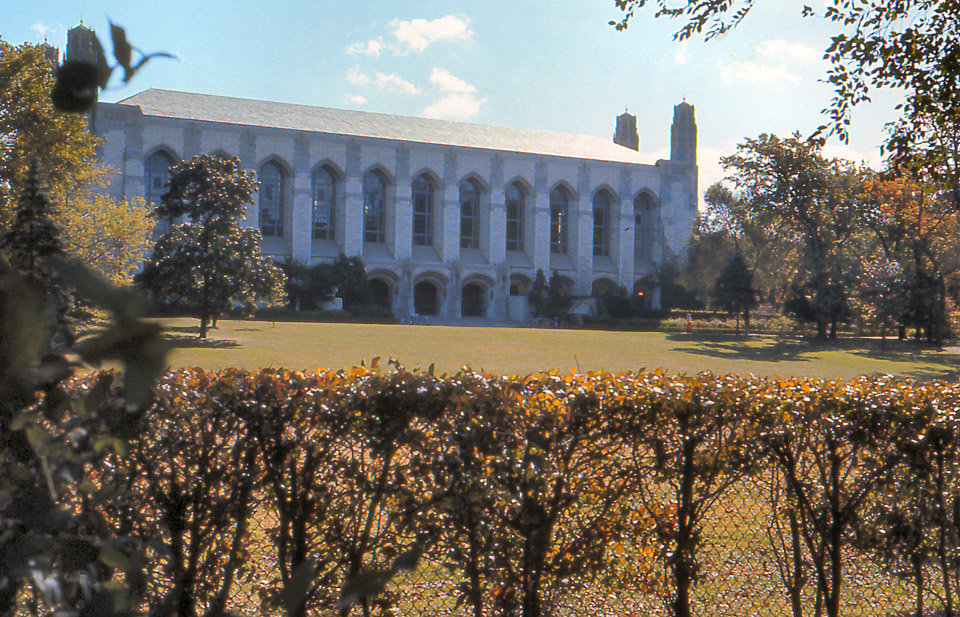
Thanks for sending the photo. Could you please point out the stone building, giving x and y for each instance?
(449, 218)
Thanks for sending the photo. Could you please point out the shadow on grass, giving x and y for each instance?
(188, 341)
(732, 347)
(943, 365)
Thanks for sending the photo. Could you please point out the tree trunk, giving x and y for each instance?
(941, 311)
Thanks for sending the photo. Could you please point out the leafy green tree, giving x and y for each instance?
(109, 235)
(909, 44)
(210, 264)
(354, 288)
(709, 248)
(559, 299)
(734, 291)
(809, 200)
(538, 295)
(307, 286)
(31, 128)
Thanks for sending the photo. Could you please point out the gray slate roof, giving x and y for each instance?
(209, 108)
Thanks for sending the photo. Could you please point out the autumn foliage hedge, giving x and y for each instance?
(305, 493)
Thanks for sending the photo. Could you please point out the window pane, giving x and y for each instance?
(157, 171)
(601, 226)
(271, 201)
(469, 228)
(423, 196)
(324, 204)
(374, 195)
(515, 207)
(559, 206)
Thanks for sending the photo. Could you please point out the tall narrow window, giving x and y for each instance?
(559, 207)
(324, 188)
(271, 200)
(423, 205)
(374, 208)
(157, 172)
(515, 210)
(469, 219)
(642, 221)
(601, 224)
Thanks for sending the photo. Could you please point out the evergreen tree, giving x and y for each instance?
(734, 291)
(32, 238)
(349, 274)
(559, 300)
(537, 299)
(210, 264)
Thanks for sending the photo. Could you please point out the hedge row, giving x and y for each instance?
(306, 493)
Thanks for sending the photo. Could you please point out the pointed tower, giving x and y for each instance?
(683, 134)
(52, 54)
(626, 134)
(80, 44)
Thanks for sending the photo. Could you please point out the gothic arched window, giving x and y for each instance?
(157, 172)
(424, 196)
(271, 200)
(469, 214)
(374, 207)
(642, 225)
(601, 223)
(515, 202)
(324, 189)
(559, 209)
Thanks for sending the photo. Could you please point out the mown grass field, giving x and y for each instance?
(306, 346)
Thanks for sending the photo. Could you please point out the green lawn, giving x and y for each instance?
(307, 346)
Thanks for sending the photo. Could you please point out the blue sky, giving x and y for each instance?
(547, 64)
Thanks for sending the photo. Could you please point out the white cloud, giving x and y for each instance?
(357, 100)
(455, 107)
(773, 63)
(417, 34)
(750, 72)
(355, 77)
(784, 50)
(449, 83)
(40, 29)
(395, 84)
(681, 56)
(370, 48)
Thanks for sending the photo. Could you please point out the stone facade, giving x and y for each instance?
(598, 213)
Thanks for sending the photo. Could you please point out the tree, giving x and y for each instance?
(538, 295)
(307, 286)
(51, 530)
(908, 44)
(809, 200)
(916, 227)
(559, 300)
(32, 239)
(756, 235)
(210, 264)
(734, 290)
(111, 236)
(349, 274)
(30, 127)
(709, 248)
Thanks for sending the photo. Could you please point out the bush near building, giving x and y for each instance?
(517, 495)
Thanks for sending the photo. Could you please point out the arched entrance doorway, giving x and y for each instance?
(474, 301)
(381, 293)
(426, 298)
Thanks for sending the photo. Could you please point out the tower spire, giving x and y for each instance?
(626, 134)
